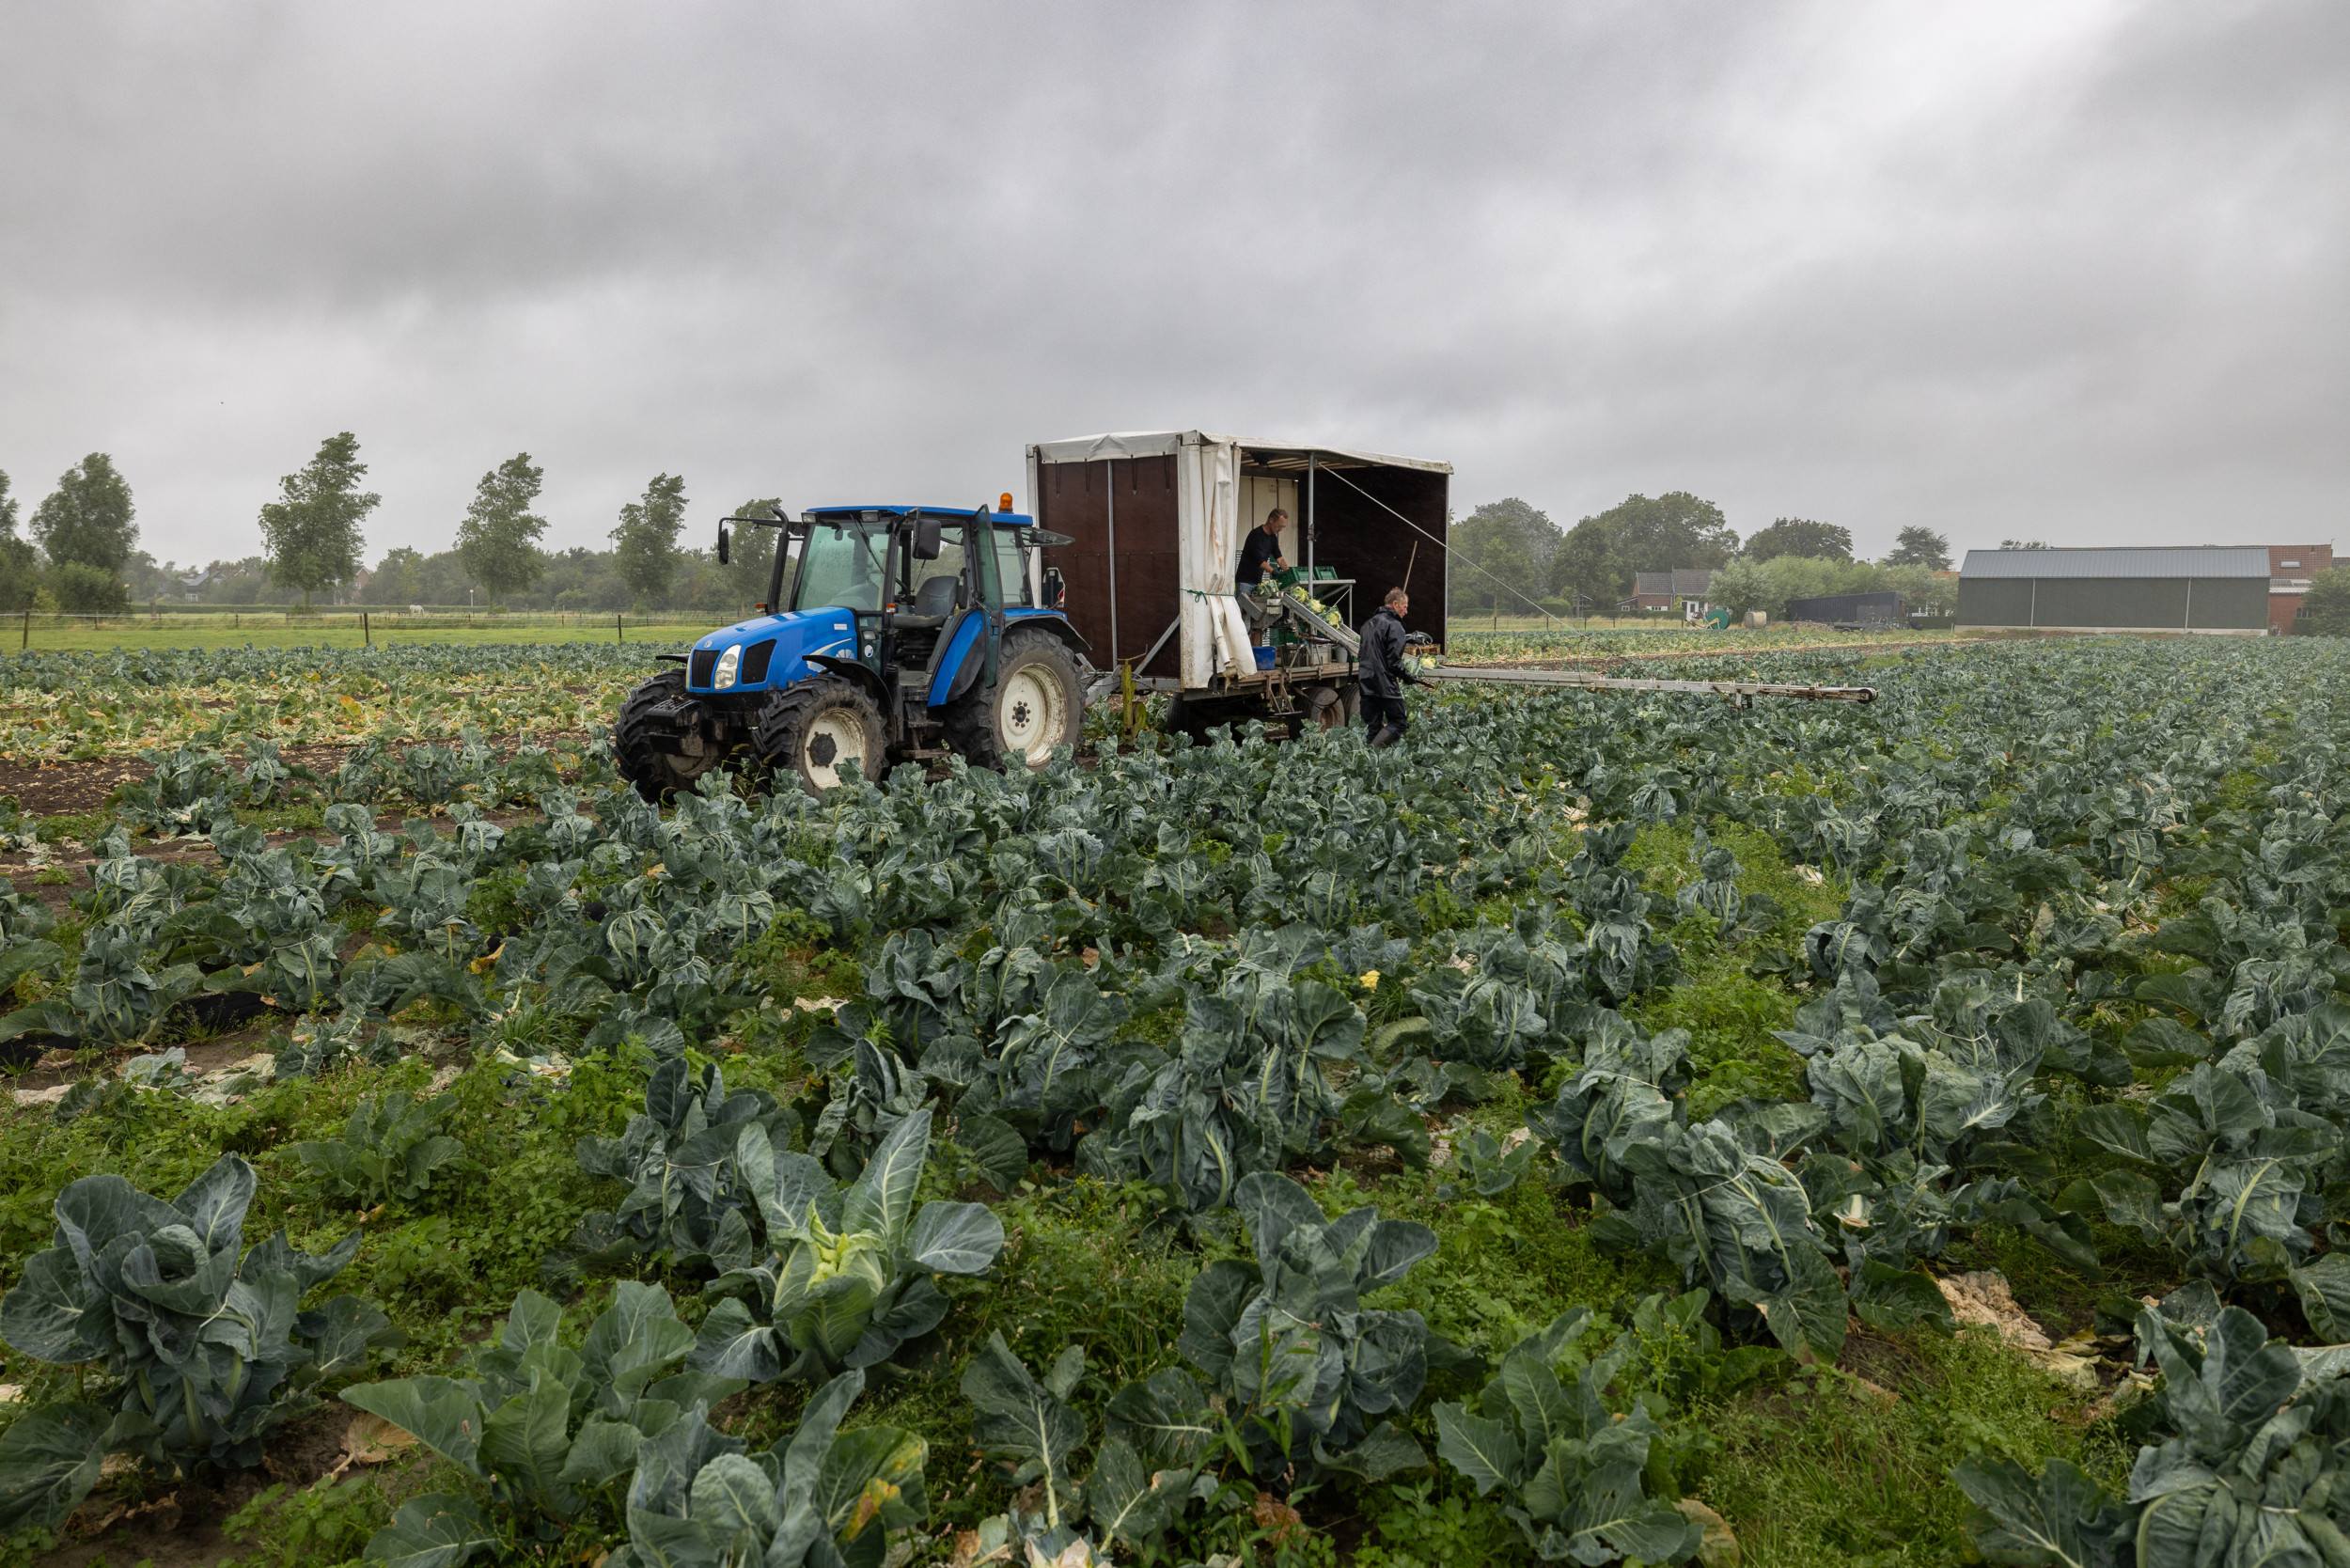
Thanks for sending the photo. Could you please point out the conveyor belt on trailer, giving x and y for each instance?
(1575, 680)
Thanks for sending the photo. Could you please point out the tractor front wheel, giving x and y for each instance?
(638, 733)
(1037, 704)
(814, 728)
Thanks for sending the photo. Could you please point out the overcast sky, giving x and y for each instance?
(2057, 269)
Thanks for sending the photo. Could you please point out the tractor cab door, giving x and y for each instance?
(934, 592)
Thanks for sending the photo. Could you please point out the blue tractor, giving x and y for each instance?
(889, 633)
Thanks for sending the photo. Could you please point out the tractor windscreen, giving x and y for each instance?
(843, 564)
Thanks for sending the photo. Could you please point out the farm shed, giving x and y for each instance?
(2218, 591)
(1656, 590)
(1156, 521)
(1866, 609)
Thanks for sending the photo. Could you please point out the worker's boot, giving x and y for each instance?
(1388, 736)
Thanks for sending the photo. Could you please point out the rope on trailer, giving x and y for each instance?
(1440, 544)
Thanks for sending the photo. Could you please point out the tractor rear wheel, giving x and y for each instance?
(657, 775)
(1037, 704)
(815, 727)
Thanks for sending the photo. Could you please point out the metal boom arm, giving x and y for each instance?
(1575, 680)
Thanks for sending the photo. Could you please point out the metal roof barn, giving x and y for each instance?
(2218, 591)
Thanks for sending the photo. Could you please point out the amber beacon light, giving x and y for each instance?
(1004, 502)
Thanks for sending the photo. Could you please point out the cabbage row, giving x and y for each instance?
(2083, 971)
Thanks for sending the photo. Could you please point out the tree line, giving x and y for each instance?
(1508, 556)
(83, 555)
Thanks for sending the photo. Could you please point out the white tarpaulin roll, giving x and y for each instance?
(1207, 507)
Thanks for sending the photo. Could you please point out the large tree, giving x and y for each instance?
(498, 540)
(20, 575)
(1542, 536)
(1800, 536)
(1921, 546)
(1492, 562)
(753, 553)
(310, 534)
(88, 518)
(1601, 555)
(644, 547)
(2325, 608)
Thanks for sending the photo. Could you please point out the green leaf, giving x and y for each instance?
(434, 1530)
(732, 1494)
(49, 1461)
(443, 1414)
(2324, 1287)
(881, 1200)
(1540, 1405)
(2017, 1519)
(1386, 1451)
(602, 1452)
(1211, 1312)
(2159, 1042)
(1165, 1418)
(872, 1475)
(1484, 1450)
(341, 1334)
(735, 1344)
(2131, 1197)
(2120, 1128)
(52, 1315)
(526, 1440)
(819, 1424)
(999, 1152)
(1896, 1299)
(1130, 1503)
(956, 1238)
(1020, 1420)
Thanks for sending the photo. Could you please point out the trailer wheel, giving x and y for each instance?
(1037, 704)
(657, 775)
(815, 727)
(1326, 709)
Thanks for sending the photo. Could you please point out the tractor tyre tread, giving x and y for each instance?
(971, 717)
(778, 735)
(656, 774)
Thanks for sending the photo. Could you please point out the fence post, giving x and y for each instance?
(620, 633)
(366, 633)
(28, 630)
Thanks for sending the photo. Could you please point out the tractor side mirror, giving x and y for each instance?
(722, 545)
(926, 538)
(1055, 587)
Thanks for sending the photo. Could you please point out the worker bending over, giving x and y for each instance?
(1384, 673)
(1262, 549)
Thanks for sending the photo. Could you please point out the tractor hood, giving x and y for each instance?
(769, 651)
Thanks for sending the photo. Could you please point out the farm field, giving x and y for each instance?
(342, 629)
(1597, 1127)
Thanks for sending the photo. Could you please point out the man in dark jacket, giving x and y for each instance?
(1383, 670)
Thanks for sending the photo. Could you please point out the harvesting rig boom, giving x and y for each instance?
(1742, 692)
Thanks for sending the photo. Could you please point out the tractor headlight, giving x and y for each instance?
(728, 662)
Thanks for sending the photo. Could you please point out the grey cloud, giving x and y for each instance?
(2070, 268)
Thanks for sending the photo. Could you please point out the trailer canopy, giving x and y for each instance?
(1272, 454)
(1156, 519)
